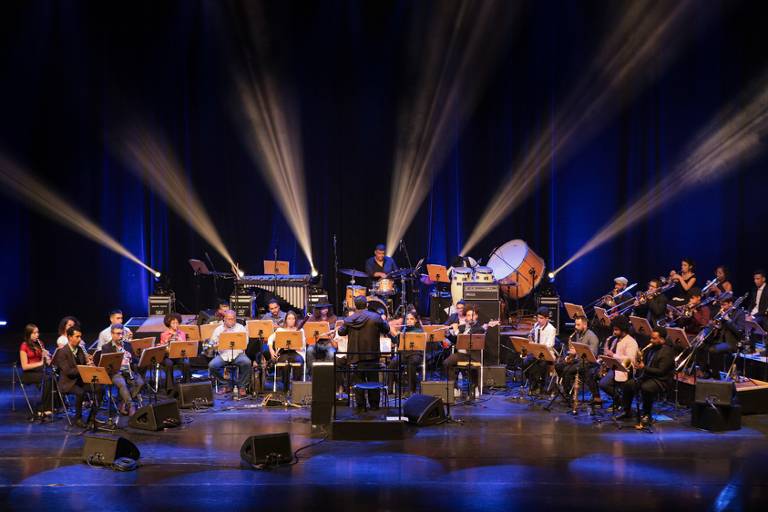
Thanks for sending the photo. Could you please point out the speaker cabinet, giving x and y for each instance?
(440, 389)
(272, 449)
(301, 392)
(717, 392)
(424, 410)
(716, 418)
(323, 393)
(163, 414)
(194, 394)
(495, 376)
(104, 450)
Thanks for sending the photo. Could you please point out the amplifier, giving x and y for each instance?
(316, 297)
(244, 306)
(160, 305)
(480, 291)
(553, 304)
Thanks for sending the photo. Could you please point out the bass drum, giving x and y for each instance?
(517, 268)
(459, 275)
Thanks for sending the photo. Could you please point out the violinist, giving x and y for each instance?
(34, 359)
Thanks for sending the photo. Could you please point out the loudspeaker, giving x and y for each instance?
(301, 392)
(323, 393)
(157, 416)
(267, 448)
(440, 389)
(495, 376)
(716, 418)
(715, 392)
(437, 305)
(194, 394)
(104, 450)
(424, 410)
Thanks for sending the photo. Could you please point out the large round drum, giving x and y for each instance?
(353, 291)
(517, 268)
(484, 275)
(459, 275)
(384, 287)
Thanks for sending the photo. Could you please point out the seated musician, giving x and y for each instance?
(173, 333)
(699, 318)
(457, 317)
(543, 332)
(574, 366)
(128, 374)
(654, 374)
(105, 336)
(66, 359)
(225, 355)
(222, 307)
(274, 313)
(729, 331)
(288, 355)
(323, 349)
(412, 359)
(757, 306)
(470, 326)
(655, 309)
(618, 294)
(623, 347)
(379, 265)
(64, 325)
(34, 359)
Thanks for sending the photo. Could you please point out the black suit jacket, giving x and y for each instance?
(763, 306)
(733, 330)
(660, 365)
(66, 361)
(363, 330)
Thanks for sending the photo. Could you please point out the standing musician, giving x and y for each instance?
(411, 358)
(379, 265)
(722, 282)
(621, 346)
(173, 333)
(362, 330)
(34, 359)
(685, 281)
(66, 359)
(729, 331)
(238, 357)
(654, 309)
(128, 374)
(543, 332)
(323, 349)
(654, 371)
(288, 356)
(695, 317)
(105, 336)
(757, 307)
(573, 366)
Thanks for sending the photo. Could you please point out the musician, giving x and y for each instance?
(574, 366)
(238, 357)
(105, 336)
(288, 356)
(700, 316)
(619, 293)
(412, 359)
(757, 306)
(457, 317)
(685, 281)
(323, 349)
(274, 313)
(726, 337)
(66, 359)
(64, 325)
(655, 309)
(34, 358)
(654, 374)
(222, 307)
(722, 282)
(173, 333)
(621, 346)
(379, 265)
(543, 332)
(362, 330)
(128, 374)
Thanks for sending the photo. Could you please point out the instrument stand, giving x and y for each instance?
(558, 392)
(733, 372)
(93, 425)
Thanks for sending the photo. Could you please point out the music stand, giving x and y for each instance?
(232, 341)
(198, 267)
(287, 340)
(182, 349)
(151, 358)
(437, 273)
(259, 329)
(192, 332)
(573, 310)
(272, 267)
(641, 325)
(137, 346)
(206, 330)
(111, 362)
(602, 316)
(678, 337)
(470, 342)
(314, 331)
(616, 365)
(94, 376)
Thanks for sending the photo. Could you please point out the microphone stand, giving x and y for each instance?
(336, 274)
(274, 276)
(215, 276)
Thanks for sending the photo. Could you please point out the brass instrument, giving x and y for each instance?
(607, 344)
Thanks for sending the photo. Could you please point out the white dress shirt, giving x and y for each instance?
(626, 348)
(545, 336)
(226, 354)
(758, 297)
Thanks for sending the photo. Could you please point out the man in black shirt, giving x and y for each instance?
(379, 265)
(656, 308)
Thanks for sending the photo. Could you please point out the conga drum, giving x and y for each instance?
(354, 290)
(484, 275)
(517, 268)
(459, 275)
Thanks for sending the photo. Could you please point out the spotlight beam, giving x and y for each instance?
(731, 138)
(38, 195)
(647, 32)
(146, 154)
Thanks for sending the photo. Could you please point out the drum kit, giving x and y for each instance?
(382, 291)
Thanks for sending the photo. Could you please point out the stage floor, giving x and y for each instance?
(505, 455)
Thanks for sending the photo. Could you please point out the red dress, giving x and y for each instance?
(34, 352)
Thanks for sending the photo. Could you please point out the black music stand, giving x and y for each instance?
(470, 342)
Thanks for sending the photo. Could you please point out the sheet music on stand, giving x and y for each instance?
(574, 309)
(678, 337)
(111, 362)
(583, 352)
(641, 325)
(272, 267)
(602, 316)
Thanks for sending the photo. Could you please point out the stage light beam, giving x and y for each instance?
(21, 185)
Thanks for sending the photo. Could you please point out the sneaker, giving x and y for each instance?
(243, 393)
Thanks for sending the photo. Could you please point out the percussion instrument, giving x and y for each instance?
(518, 267)
(353, 291)
(483, 275)
(352, 272)
(459, 275)
(384, 287)
(375, 303)
(291, 288)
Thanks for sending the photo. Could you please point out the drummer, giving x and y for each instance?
(379, 265)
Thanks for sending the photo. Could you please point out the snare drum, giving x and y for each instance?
(384, 287)
(483, 275)
(353, 291)
(459, 275)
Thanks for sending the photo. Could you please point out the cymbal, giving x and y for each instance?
(352, 272)
(403, 272)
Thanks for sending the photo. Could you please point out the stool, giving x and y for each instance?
(283, 364)
(370, 386)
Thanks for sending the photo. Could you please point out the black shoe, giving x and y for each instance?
(623, 416)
